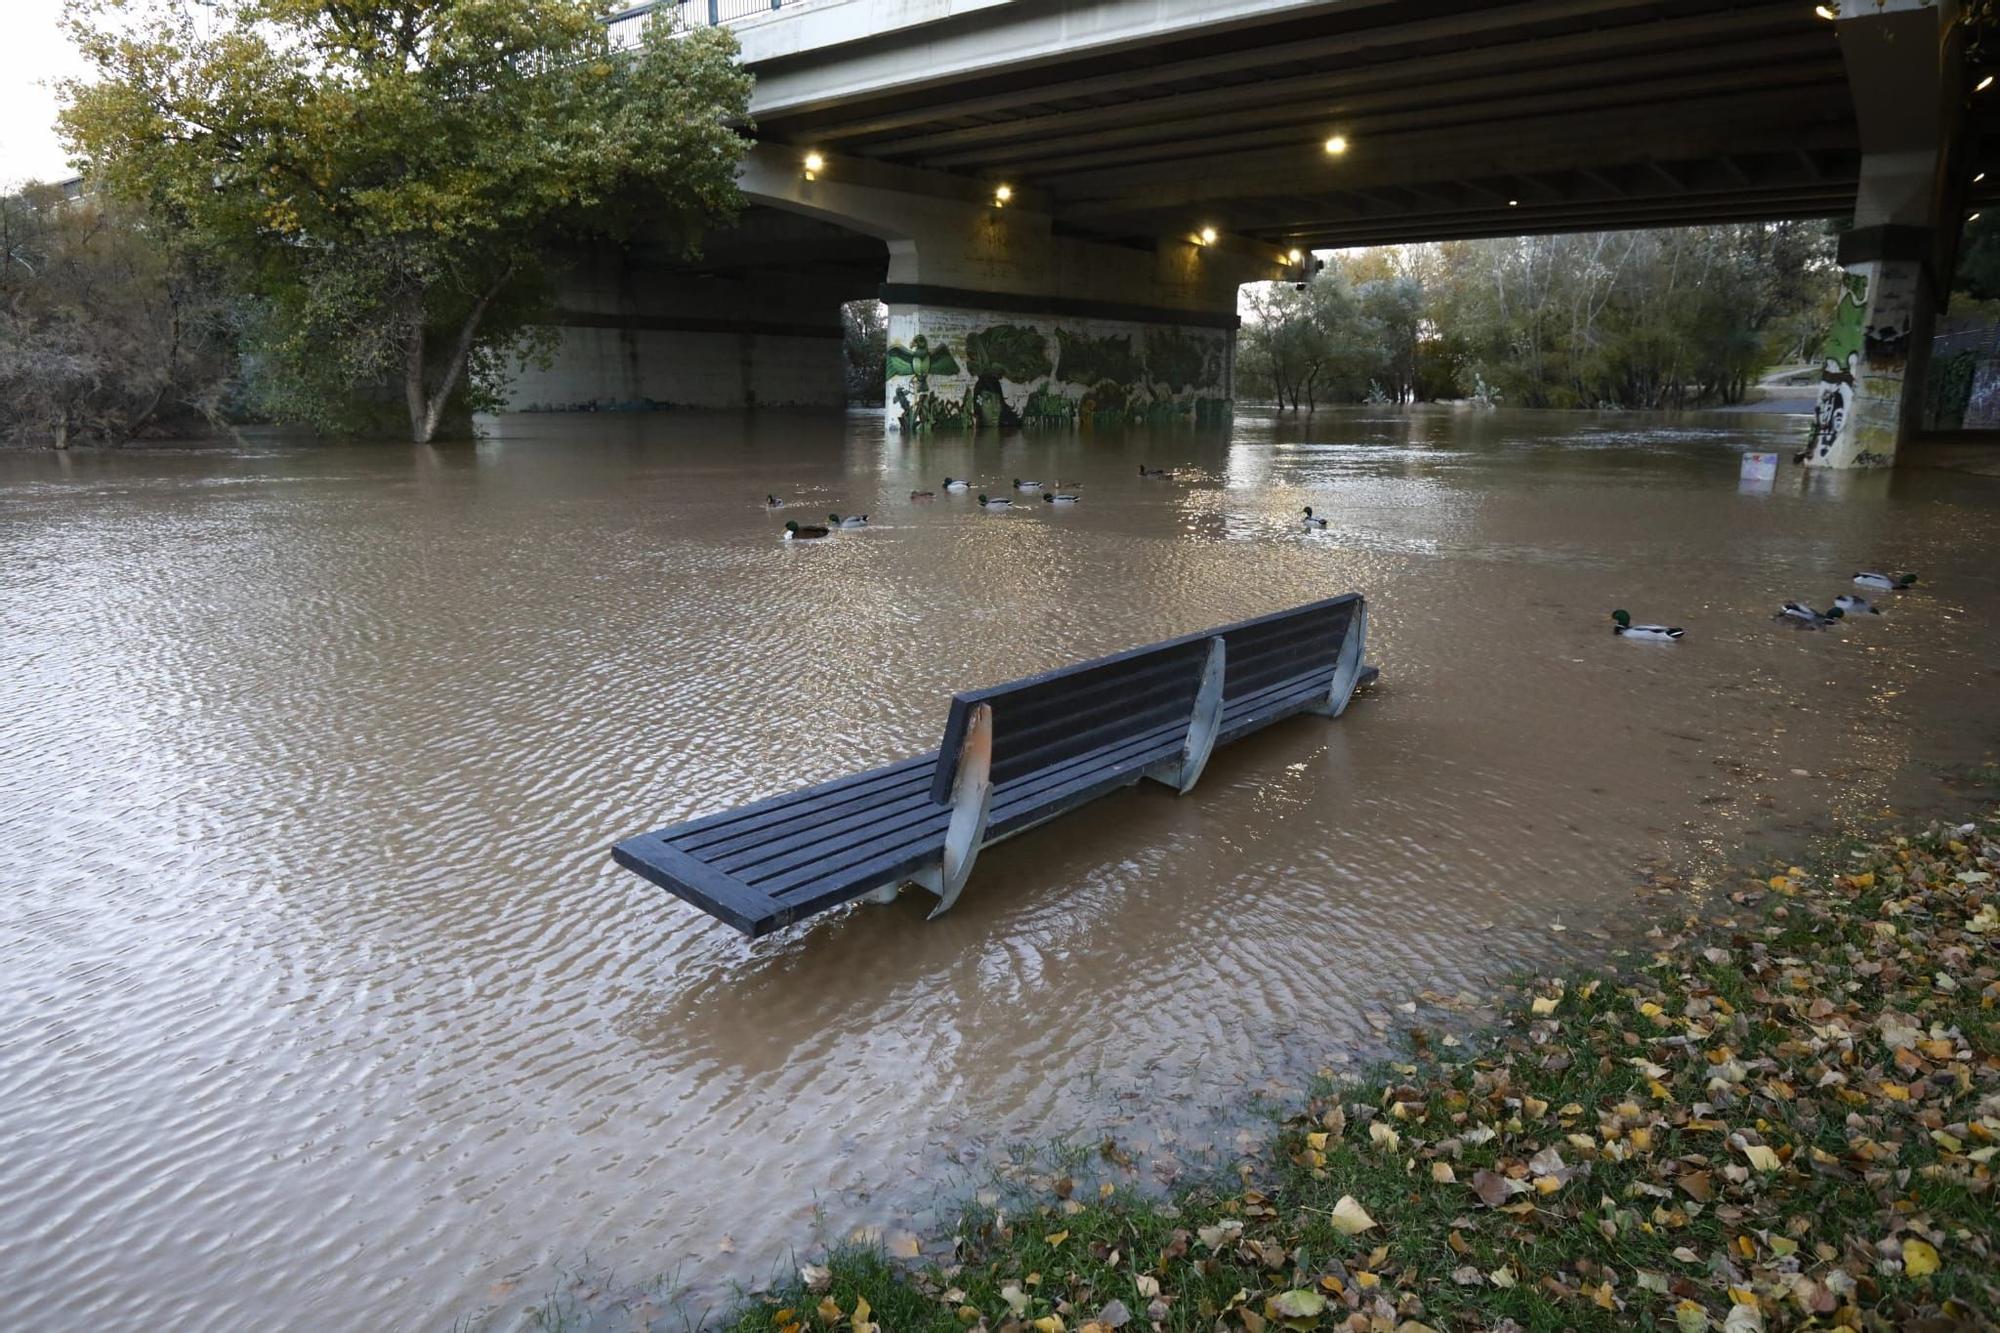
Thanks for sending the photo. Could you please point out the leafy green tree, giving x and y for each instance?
(390, 177)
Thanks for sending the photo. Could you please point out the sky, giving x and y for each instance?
(33, 54)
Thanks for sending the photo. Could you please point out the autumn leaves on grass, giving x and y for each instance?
(1782, 1116)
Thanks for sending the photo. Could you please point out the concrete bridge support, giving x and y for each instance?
(1907, 90)
(994, 317)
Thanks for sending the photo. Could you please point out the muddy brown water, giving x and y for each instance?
(321, 1005)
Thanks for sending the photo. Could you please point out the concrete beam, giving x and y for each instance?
(1013, 36)
(1483, 76)
(1499, 19)
(950, 232)
(1438, 119)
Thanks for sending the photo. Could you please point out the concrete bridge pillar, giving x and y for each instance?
(994, 318)
(997, 320)
(1906, 85)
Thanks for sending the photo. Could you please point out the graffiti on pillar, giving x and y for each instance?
(1043, 372)
(1863, 364)
(1839, 356)
(1885, 337)
(1017, 352)
(919, 408)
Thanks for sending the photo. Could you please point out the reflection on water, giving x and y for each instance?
(323, 1005)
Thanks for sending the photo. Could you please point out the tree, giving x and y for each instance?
(389, 177)
(107, 331)
(864, 327)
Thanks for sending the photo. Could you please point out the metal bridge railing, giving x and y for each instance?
(697, 13)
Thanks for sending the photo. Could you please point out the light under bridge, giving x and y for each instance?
(1106, 173)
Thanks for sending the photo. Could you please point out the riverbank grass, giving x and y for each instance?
(1781, 1116)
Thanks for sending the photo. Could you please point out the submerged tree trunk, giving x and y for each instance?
(427, 409)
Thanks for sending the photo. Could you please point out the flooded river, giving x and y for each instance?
(322, 1006)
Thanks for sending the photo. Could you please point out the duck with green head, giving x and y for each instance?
(1884, 582)
(851, 521)
(1622, 626)
(796, 533)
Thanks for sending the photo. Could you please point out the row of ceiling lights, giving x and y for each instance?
(1003, 193)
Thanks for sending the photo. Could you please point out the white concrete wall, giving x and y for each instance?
(610, 367)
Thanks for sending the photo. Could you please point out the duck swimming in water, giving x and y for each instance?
(1804, 617)
(1312, 522)
(1058, 499)
(1622, 626)
(1885, 582)
(795, 533)
(1855, 606)
(923, 495)
(1020, 485)
(773, 502)
(997, 502)
(1145, 471)
(954, 484)
(851, 521)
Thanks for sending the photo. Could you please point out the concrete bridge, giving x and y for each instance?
(1058, 199)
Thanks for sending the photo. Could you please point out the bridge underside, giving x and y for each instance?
(1463, 117)
(1155, 154)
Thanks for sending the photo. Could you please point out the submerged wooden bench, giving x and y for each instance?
(1013, 756)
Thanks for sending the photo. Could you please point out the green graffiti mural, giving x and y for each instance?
(1175, 359)
(1101, 374)
(1838, 357)
(1048, 409)
(1016, 352)
(920, 410)
(920, 360)
(1081, 359)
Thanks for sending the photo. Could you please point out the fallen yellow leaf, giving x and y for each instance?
(1761, 1157)
(1919, 1258)
(1350, 1218)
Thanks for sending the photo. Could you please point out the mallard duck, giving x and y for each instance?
(1805, 617)
(1621, 625)
(1055, 498)
(851, 521)
(1145, 471)
(773, 502)
(1855, 606)
(1885, 582)
(954, 484)
(923, 495)
(995, 502)
(1312, 522)
(795, 533)
(1020, 485)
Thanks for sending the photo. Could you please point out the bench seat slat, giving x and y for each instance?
(822, 820)
(696, 833)
(1122, 763)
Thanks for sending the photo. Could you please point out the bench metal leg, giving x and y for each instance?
(1181, 774)
(1347, 667)
(971, 799)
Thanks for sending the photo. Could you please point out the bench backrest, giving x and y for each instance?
(1040, 721)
